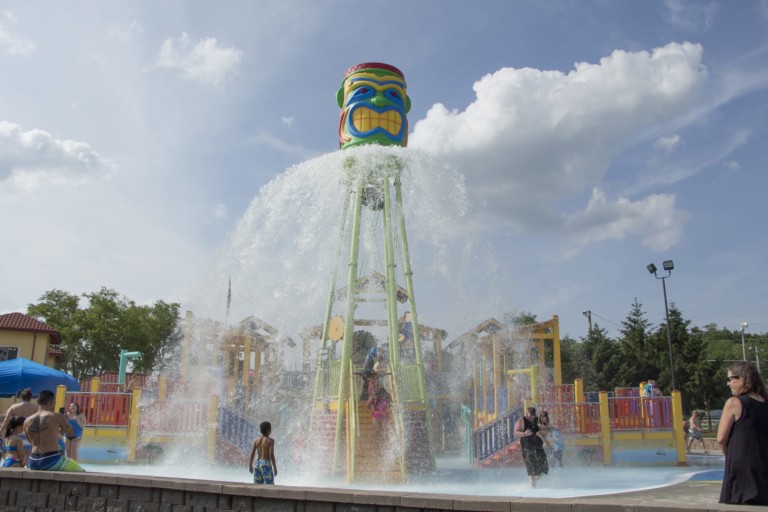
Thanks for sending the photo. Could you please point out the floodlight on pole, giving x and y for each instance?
(588, 314)
(744, 326)
(668, 265)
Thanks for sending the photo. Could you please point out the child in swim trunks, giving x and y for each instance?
(264, 468)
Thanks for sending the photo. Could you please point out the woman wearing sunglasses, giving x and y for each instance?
(743, 437)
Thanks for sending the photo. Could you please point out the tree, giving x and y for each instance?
(516, 319)
(93, 336)
(605, 358)
(640, 356)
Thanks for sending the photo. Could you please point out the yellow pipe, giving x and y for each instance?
(556, 350)
(605, 428)
(677, 427)
(578, 392)
(61, 397)
(133, 425)
(162, 387)
(213, 419)
(496, 378)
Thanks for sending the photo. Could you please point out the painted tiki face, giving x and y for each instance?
(373, 106)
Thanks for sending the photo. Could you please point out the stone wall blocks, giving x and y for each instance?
(32, 499)
(242, 503)
(202, 499)
(114, 505)
(318, 506)
(92, 504)
(172, 496)
(138, 506)
(110, 492)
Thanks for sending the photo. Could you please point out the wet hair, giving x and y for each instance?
(382, 392)
(752, 381)
(26, 394)
(45, 397)
(265, 428)
(15, 422)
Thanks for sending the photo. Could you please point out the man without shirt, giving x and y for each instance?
(42, 429)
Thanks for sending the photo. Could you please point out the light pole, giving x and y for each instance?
(757, 359)
(588, 314)
(668, 266)
(744, 326)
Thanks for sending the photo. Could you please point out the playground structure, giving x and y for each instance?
(503, 370)
(510, 368)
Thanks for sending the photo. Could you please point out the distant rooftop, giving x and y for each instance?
(22, 322)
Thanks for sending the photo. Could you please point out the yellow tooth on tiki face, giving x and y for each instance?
(365, 120)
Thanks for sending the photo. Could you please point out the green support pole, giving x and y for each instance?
(389, 255)
(349, 321)
(332, 292)
(414, 317)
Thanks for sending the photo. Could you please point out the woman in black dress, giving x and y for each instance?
(527, 428)
(743, 437)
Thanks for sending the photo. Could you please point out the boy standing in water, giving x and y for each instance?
(265, 469)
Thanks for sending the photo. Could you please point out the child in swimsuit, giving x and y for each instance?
(264, 468)
(16, 455)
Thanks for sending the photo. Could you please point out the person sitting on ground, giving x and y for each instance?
(16, 455)
(264, 468)
(694, 433)
(43, 430)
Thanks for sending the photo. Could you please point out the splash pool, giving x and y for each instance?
(453, 477)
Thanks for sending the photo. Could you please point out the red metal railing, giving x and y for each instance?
(635, 413)
(573, 418)
(103, 409)
(174, 416)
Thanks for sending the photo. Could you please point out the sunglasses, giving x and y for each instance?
(732, 377)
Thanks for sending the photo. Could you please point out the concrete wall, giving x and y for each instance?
(23, 490)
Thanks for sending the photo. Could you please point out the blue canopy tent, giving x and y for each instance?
(19, 374)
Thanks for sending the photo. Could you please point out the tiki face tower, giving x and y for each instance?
(374, 104)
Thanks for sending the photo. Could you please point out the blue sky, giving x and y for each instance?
(593, 138)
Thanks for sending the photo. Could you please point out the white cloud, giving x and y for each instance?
(654, 219)
(32, 158)
(207, 61)
(267, 139)
(13, 44)
(126, 32)
(532, 138)
(288, 121)
(667, 144)
(732, 167)
(694, 16)
(220, 211)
